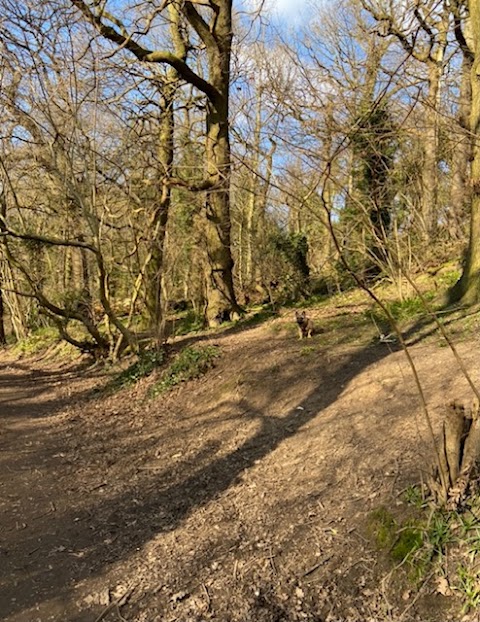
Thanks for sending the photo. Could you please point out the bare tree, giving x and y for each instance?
(212, 25)
(422, 30)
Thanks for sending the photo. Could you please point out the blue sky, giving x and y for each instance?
(284, 10)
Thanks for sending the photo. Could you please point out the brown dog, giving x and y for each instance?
(305, 324)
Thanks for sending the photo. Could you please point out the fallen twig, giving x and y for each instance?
(324, 560)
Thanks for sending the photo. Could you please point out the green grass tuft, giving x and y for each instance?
(147, 362)
(192, 362)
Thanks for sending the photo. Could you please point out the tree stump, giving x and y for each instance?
(459, 455)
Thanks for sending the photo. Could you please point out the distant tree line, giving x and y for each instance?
(177, 152)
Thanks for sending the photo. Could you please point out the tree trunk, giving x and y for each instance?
(459, 455)
(221, 300)
(467, 289)
(165, 154)
(3, 213)
(154, 268)
(3, 336)
(430, 152)
(460, 191)
(253, 192)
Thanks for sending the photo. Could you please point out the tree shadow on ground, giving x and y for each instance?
(32, 385)
(110, 529)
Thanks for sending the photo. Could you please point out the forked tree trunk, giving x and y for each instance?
(212, 23)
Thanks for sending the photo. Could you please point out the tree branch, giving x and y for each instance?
(145, 55)
(6, 232)
(199, 25)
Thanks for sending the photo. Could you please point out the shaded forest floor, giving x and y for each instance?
(244, 495)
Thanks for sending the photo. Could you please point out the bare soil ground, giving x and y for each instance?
(241, 496)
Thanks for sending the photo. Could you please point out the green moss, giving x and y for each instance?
(402, 541)
(382, 526)
(409, 540)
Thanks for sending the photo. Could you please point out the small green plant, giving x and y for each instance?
(409, 307)
(468, 522)
(448, 278)
(413, 496)
(438, 532)
(143, 367)
(191, 362)
(469, 587)
(412, 541)
(473, 543)
(307, 350)
(400, 310)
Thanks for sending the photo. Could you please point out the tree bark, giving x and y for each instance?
(221, 299)
(165, 154)
(460, 190)
(3, 213)
(154, 268)
(467, 289)
(459, 455)
(430, 151)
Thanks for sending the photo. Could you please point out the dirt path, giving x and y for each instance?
(241, 496)
(37, 562)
